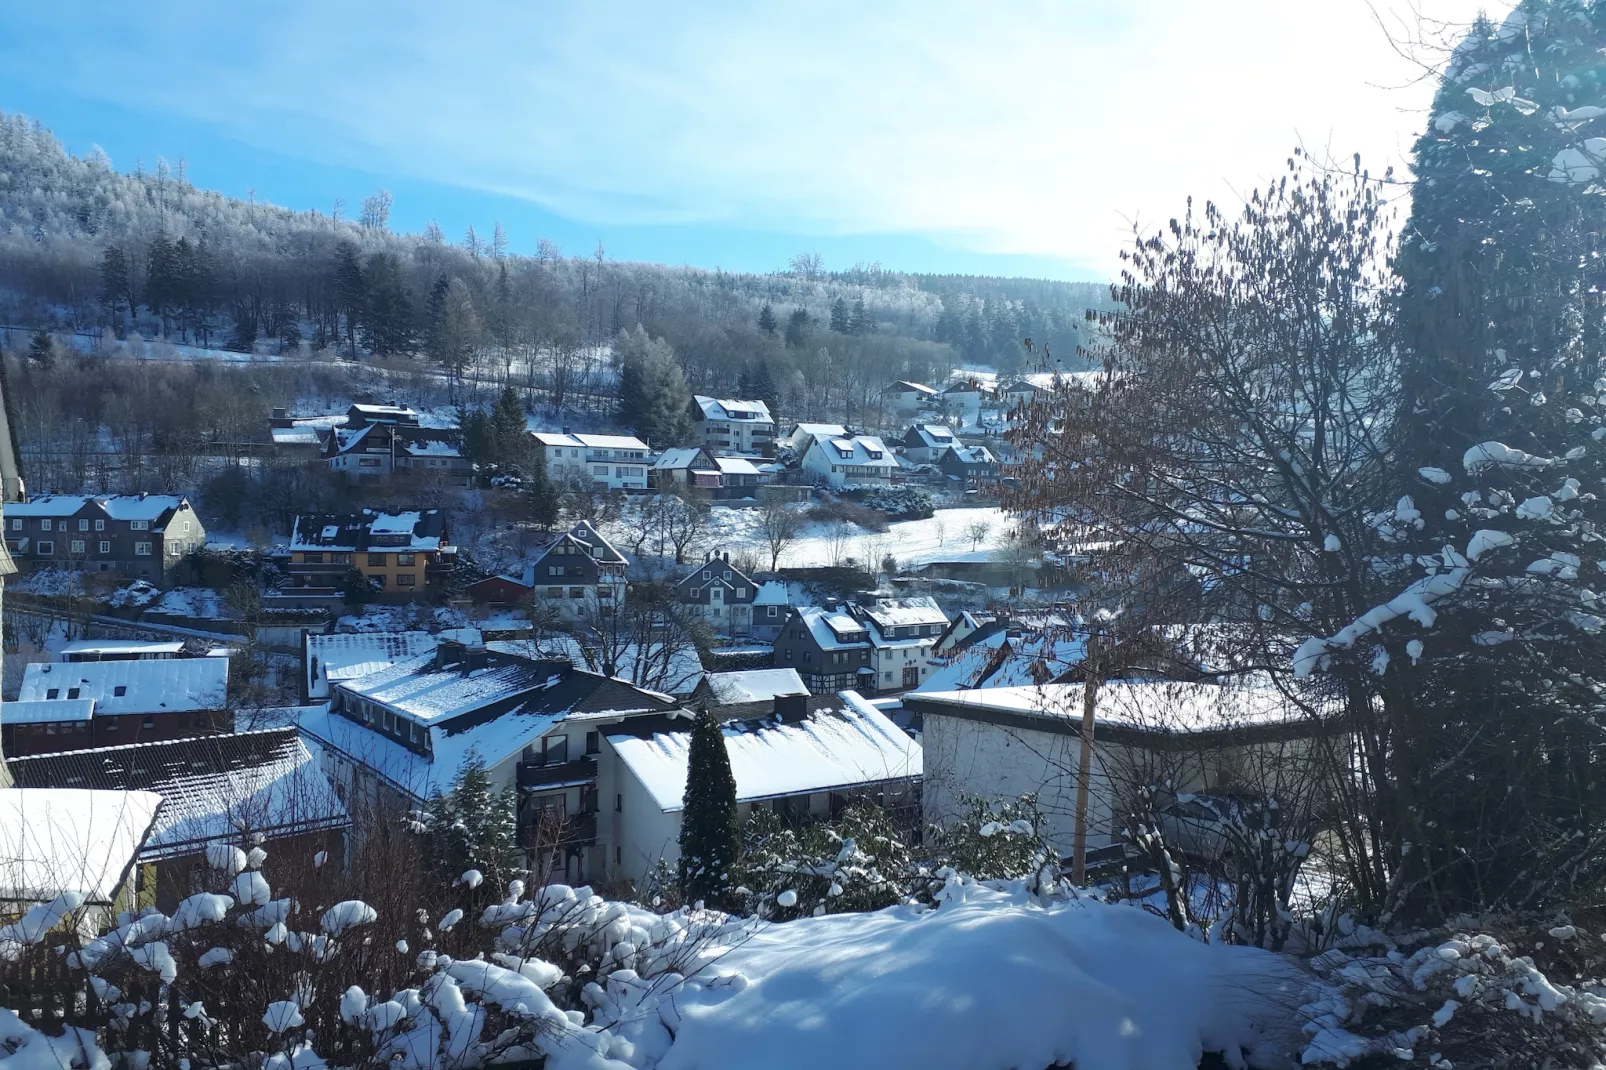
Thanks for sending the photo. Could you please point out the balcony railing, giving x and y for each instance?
(575, 830)
(532, 776)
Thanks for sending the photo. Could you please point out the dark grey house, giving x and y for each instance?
(829, 649)
(579, 568)
(140, 536)
(974, 464)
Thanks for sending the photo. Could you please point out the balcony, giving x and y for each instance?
(532, 777)
(575, 830)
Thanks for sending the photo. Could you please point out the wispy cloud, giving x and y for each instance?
(1021, 127)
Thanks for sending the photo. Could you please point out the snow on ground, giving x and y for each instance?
(942, 536)
(991, 980)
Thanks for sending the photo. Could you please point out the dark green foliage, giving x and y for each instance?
(653, 397)
(841, 320)
(858, 862)
(540, 495)
(708, 839)
(387, 323)
(350, 291)
(115, 285)
(766, 320)
(356, 589)
(798, 326)
(226, 495)
(860, 322)
(997, 839)
(512, 441)
(473, 827)
(42, 348)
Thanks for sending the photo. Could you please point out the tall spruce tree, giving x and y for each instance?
(841, 319)
(797, 329)
(766, 320)
(1491, 662)
(350, 292)
(654, 400)
(859, 322)
(115, 286)
(541, 497)
(709, 842)
(472, 826)
(387, 322)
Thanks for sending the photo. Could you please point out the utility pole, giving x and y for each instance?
(1084, 765)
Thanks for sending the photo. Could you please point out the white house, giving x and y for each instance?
(903, 632)
(1003, 742)
(926, 443)
(617, 462)
(859, 460)
(805, 769)
(802, 436)
(906, 396)
(56, 840)
(725, 426)
(1023, 389)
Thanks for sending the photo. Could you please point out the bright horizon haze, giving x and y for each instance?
(1019, 138)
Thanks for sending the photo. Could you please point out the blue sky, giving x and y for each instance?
(1013, 138)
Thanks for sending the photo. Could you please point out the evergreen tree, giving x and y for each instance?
(766, 320)
(457, 333)
(654, 399)
(709, 842)
(860, 322)
(434, 311)
(508, 433)
(473, 826)
(797, 329)
(350, 292)
(114, 285)
(950, 326)
(387, 327)
(479, 441)
(42, 349)
(540, 495)
(841, 319)
(761, 387)
(161, 280)
(356, 590)
(1500, 321)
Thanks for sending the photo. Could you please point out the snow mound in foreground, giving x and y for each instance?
(990, 979)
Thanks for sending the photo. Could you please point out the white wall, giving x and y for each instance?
(964, 757)
(642, 831)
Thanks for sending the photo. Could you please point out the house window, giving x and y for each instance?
(707, 575)
(142, 549)
(100, 525)
(45, 549)
(312, 559)
(340, 559)
(406, 579)
(367, 462)
(105, 547)
(376, 559)
(406, 559)
(77, 546)
(149, 722)
(139, 525)
(593, 742)
(554, 570)
(618, 803)
(605, 592)
(378, 581)
(696, 592)
(741, 592)
(554, 592)
(53, 692)
(83, 525)
(600, 469)
(577, 592)
(554, 750)
(772, 611)
(186, 527)
(44, 525)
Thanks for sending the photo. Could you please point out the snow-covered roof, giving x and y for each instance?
(905, 386)
(933, 435)
(425, 694)
(117, 506)
(423, 530)
(681, 678)
(974, 455)
(125, 647)
(723, 409)
(754, 685)
(735, 466)
(905, 612)
(295, 436)
(805, 431)
(214, 789)
(828, 750)
(828, 626)
(1142, 705)
(431, 447)
(863, 450)
(55, 840)
(771, 593)
(332, 659)
(678, 457)
(601, 442)
(47, 712)
(168, 685)
(368, 410)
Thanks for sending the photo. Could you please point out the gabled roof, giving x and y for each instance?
(214, 789)
(833, 629)
(680, 457)
(148, 507)
(735, 466)
(126, 647)
(970, 456)
(423, 530)
(772, 593)
(817, 430)
(718, 567)
(1162, 707)
(754, 685)
(931, 435)
(331, 659)
(830, 750)
(168, 685)
(601, 442)
(905, 612)
(727, 410)
(55, 840)
(861, 450)
(905, 386)
(596, 545)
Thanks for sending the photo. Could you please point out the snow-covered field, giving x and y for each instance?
(944, 536)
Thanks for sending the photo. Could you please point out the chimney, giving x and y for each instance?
(565, 430)
(727, 557)
(790, 709)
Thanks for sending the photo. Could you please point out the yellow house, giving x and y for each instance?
(401, 554)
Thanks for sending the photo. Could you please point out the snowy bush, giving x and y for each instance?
(996, 840)
(858, 862)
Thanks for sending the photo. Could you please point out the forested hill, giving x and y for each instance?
(85, 247)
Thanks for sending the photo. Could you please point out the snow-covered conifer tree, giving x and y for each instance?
(708, 834)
